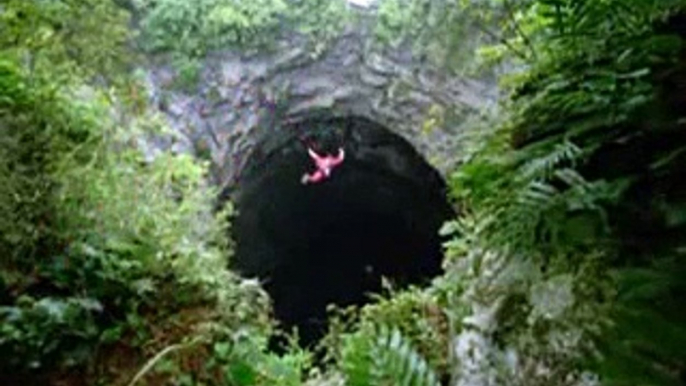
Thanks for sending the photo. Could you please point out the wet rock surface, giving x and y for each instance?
(242, 97)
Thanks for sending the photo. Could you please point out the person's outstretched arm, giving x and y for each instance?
(315, 157)
(339, 158)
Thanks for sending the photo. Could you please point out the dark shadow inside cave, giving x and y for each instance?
(331, 242)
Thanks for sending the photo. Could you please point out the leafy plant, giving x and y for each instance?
(417, 314)
(382, 356)
(189, 31)
(558, 185)
(37, 333)
(99, 243)
(67, 38)
(195, 28)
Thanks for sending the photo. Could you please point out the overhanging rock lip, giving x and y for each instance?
(226, 116)
(366, 140)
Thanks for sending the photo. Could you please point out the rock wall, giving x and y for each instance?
(242, 97)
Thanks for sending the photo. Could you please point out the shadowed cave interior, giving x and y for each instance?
(331, 242)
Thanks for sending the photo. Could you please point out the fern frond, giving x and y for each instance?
(543, 167)
(537, 194)
(385, 358)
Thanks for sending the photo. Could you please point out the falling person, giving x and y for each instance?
(325, 164)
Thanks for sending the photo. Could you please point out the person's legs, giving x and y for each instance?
(315, 177)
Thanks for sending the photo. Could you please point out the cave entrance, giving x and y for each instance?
(331, 242)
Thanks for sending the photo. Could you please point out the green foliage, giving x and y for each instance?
(575, 99)
(38, 129)
(247, 363)
(554, 197)
(195, 28)
(96, 242)
(37, 332)
(66, 37)
(448, 32)
(189, 30)
(418, 315)
(521, 319)
(102, 248)
(382, 356)
(557, 194)
(229, 359)
(651, 328)
(568, 255)
(321, 21)
(401, 338)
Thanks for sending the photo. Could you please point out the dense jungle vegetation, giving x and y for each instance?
(566, 265)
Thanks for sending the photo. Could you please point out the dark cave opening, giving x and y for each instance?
(331, 242)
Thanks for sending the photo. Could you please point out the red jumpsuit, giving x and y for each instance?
(324, 164)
